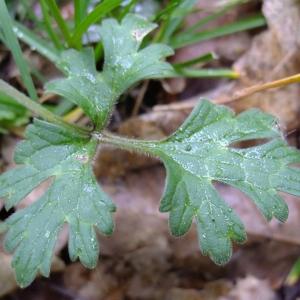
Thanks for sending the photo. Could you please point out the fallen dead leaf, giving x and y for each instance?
(251, 288)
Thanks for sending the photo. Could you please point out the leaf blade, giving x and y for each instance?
(73, 197)
(200, 152)
(97, 92)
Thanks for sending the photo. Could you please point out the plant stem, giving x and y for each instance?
(140, 146)
(238, 95)
(37, 109)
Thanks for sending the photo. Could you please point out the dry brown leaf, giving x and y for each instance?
(7, 277)
(251, 288)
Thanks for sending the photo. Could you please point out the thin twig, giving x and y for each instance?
(140, 98)
(238, 95)
(259, 88)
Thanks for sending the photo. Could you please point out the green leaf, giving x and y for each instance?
(96, 93)
(202, 152)
(74, 197)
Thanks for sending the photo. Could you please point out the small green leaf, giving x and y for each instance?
(74, 197)
(202, 152)
(124, 65)
(12, 114)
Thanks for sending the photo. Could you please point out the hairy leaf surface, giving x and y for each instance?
(74, 197)
(124, 65)
(199, 154)
(202, 152)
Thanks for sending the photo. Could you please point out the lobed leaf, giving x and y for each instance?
(74, 197)
(62, 156)
(202, 152)
(124, 65)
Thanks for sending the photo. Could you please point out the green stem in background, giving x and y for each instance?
(160, 32)
(38, 109)
(184, 39)
(294, 274)
(197, 60)
(80, 10)
(9, 38)
(206, 73)
(97, 14)
(48, 26)
(166, 11)
(99, 51)
(160, 35)
(36, 43)
(30, 13)
(175, 18)
(127, 9)
(60, 21)
(215, 15)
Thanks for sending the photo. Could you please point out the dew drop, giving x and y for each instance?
(188, 148)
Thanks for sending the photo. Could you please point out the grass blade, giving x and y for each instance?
(206, 73)
(127, 8)
(97, 14)
(29, 13)
(214, 15)
(80, 10)
(165, 12)
(60, 21)
(36, 43)
(12, 43)
(37, 108)
(174, 19)
(197, 60)
(48, 26)
(183, 39)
